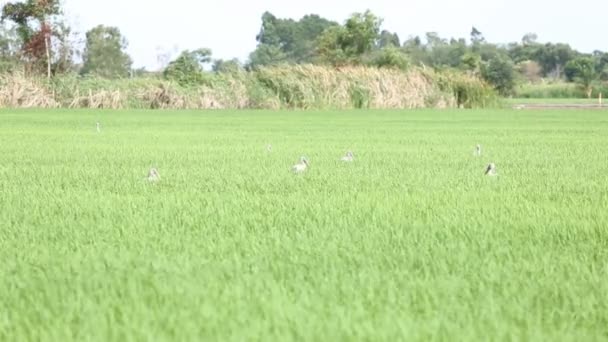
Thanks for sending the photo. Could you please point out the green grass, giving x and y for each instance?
(410, 242)
(516, 101)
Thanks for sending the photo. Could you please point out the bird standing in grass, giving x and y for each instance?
(301, 166)
(98, 127)
(491, 170)
(349, 157)
(153, 175)
(269, 148)
(477, 150)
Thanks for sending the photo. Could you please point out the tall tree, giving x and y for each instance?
(362, 30)
(388, 39)
(499, 71)
(582, 71)
(104, 54)
(348, 43)
(9, 48)
(33, 19)
(287, 40)
(553, 58)
(601, 64)
(477, 36)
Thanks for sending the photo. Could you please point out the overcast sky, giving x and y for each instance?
(229, 27)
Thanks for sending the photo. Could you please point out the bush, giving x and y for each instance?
(499, 71)
(389, 57)
(467, 90)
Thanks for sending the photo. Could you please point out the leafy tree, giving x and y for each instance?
(188, 68)
(329, 47)
(348, 43)
(471, 62)
(9, 48)
(529, 39)
(104, 53)
(582, 71)
(553, 57)
(35, 29)
(306, 33)
(267, 55)
(361, 32)
(433, 40)
(287, 40)
(390, 57)
(522, 52)
(63, 45)
(454, 52)
(227, 66)
(601, 64)
(603, 73)
(388, 39)
(414, 48)
(499, 72)
(477, 37)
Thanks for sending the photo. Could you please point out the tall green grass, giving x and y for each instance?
(558, 90)
(410, 242)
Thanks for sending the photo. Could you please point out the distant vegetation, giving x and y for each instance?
(36, 42)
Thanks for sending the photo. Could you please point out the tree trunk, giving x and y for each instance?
(48, 55)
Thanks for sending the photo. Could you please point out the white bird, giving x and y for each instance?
(269, 148)
(477, 150)
(300, 166)
(98, 127)
(491, 170)
(349, 157)
(153, 175)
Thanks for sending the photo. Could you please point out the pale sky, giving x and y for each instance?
(229, 27)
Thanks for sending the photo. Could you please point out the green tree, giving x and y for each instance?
(553, 58)
(267, 54)
(306, 33)
(9, 48)
(471, 62)
(330, 48)
(601, 64)
(388, 39)
(362, 30)
(499, 71)
(227, 66)
(389, 57)
(188, 68)
(477, 37)
(348, 43)
(104, 53)
(582, 71)
(287, 40)
(414, 48)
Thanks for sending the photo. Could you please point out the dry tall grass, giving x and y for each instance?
(300, 86)
(17, 91)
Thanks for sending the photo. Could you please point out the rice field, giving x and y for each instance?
(409, 241)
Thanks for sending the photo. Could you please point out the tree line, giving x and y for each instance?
(34, 35)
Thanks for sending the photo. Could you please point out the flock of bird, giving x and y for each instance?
(303, 165)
